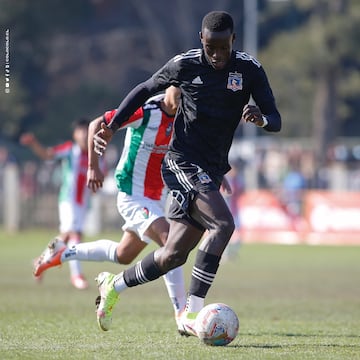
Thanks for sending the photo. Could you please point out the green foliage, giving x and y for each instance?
(327, 40)
(67, 57)
(88, 100)
(293, 302)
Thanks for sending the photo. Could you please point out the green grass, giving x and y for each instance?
(293, 302)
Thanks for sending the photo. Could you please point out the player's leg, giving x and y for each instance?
(71, 221)
(57, 253)
(183, 237)
(172, 255)
(129, 247)
(72, 217)
(211, 211)
(77, 278)
(145, 217)
(174, 279)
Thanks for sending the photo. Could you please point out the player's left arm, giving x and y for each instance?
(265, 113)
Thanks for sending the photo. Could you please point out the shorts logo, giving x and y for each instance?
(204, 178)
(235, 81)
(145, 213)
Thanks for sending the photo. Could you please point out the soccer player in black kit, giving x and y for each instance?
(216, 83)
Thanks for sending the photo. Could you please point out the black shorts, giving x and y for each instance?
(184, 181)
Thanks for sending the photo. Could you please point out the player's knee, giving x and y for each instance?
(225, 227)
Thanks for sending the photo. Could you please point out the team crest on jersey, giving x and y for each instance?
(204, 178)
(145, 212)
(235, 81)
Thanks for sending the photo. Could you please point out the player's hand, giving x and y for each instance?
(252, 113)
(101, 139)
(95, 179)
(27, 139)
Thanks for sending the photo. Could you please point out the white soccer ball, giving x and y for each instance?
(217, 324)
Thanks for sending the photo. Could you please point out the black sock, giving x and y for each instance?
(142, 272)
(203, 273)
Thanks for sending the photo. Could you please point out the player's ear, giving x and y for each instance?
(233, 37)
(200, 35)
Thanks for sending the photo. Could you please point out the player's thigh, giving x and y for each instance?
(158, 231)
(139, 213)
(211, 211)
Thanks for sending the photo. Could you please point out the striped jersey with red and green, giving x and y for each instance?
(74, 163)
(147, 138)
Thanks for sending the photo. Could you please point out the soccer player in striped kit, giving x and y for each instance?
(74, 194)
(142, 193)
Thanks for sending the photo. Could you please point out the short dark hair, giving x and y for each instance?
(81, 122)
(216, 21)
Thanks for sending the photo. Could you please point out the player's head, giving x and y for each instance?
(217, 37)
(80, 132)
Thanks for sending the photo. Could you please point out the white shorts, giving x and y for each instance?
(72, 217)
(139, 213)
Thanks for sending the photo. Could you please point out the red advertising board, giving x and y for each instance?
(263, 218)
(331, 218)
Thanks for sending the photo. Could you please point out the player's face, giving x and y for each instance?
(80, 137)
(217, 47)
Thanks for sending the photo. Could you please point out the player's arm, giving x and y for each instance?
(133, 101)
(265, 113)
(95, 177)
(45, 153)
(128, 106)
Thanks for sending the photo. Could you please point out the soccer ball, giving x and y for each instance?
(217, 324)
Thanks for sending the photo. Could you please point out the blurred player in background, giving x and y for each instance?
(216, 83)
(141, 196)
(74, 194)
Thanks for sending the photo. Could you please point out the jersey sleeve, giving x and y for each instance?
(135, 120)
(168, 74)
(264, 98)
(62, 150)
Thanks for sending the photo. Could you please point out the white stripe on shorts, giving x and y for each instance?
(180, 175)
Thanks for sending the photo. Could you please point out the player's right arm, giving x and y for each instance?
(135, 99)
(95, 177)
(162, 79)
(45, 153)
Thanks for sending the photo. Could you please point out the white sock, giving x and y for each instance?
(194, 303)
(174, 281)
(119, 283)
(74, 265)
(100, 250)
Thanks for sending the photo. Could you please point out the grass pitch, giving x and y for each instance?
(293, 302)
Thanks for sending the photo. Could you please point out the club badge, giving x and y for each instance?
(235, 81)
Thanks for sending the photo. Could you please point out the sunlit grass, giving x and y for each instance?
(293, 302)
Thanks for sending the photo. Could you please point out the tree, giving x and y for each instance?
(310, 66)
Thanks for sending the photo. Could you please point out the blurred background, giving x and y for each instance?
(64, 60)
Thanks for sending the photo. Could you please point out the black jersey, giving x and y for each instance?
(212, 105)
